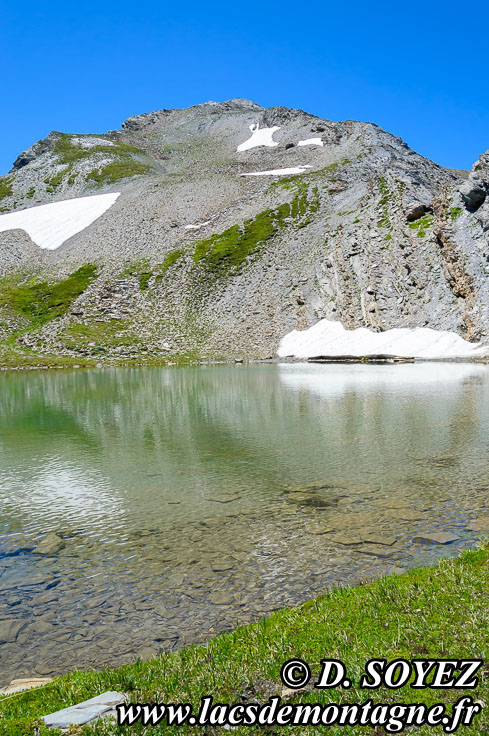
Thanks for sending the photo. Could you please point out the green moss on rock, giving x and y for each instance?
(144, 280)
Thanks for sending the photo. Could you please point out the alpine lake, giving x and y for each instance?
(142, 509)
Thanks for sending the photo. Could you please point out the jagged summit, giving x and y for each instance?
(228, 225)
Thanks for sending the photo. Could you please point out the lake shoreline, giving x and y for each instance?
(59, 364)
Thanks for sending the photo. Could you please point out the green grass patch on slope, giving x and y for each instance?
(41, 301)
(118, 169)
(227, 251)
(53, 182)
(454, 212)
(384, 203)
(123, 165)
(170, 259)
(422, 225)
(140, 269)
(69, 151)
(112, 333)
(5, 187)
(431, 613)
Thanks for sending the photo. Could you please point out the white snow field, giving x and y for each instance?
(49, 225)
(329, 338)
(259, 137)
(311, 142)
(279, 172)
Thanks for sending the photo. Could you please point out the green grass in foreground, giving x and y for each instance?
(440, 612)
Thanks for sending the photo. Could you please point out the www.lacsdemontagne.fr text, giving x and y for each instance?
(393, 717)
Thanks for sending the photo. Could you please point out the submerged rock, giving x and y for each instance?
(10, 628)
(224, 498)
(317, 494)
(49, 545)
(479, 525)
(436, 538)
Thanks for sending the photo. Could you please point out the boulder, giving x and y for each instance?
(474, 193)
(415, 210)
(49, 545)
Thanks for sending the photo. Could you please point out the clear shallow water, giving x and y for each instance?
(191, 499)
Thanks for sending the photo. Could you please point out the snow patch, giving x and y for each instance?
(311, 142)
(279, 172)
(328, 338)
(197, 226)
(259, 137)
(49, 225)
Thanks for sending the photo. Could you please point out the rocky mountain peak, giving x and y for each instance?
(228, 225)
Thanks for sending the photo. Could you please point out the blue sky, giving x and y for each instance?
(416, 69)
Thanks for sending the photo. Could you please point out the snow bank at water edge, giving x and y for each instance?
(49, 225)
(279, 172)
(311, 142)
(331, 339)
(259, 137)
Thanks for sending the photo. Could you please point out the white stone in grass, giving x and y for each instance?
(88, 710)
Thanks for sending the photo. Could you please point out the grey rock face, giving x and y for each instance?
(371, 233)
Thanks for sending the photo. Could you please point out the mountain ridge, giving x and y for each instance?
(204, 255)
